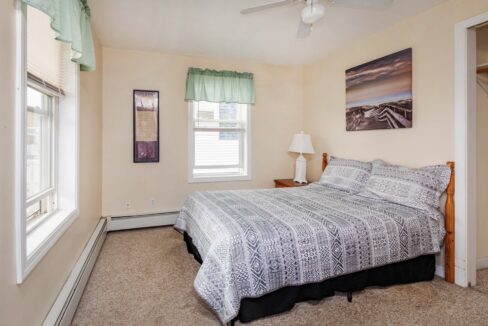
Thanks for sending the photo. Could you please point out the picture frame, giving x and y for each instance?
(145, 107)
(379, 93)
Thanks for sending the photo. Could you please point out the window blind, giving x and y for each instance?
(46, 57)
(212, 151)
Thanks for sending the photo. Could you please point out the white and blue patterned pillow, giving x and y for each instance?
(346, 175)
(418, 188)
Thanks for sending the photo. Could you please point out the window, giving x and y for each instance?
(47, 126)
(218, 141)
(40, 156)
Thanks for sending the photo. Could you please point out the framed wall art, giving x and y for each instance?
(146, 126)
(379, 93)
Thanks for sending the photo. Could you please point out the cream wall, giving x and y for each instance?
(431, 35)
(276, 116)
(28, 304)
(482, 150)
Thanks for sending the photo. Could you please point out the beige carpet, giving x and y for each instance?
(145, 277)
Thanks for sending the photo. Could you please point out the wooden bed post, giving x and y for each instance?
(449, 225)
(324, 161)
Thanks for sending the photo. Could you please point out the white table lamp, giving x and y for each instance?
(302, 144)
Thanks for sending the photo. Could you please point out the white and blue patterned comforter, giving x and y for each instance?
(256, 241)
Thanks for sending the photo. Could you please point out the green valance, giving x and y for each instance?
(220, 86)
(71, 21)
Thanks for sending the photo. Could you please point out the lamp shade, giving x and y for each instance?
(301, 143)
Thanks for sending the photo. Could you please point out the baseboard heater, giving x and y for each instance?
(117, 223)
(64, 307)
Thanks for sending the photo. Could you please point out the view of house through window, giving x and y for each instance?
(219, 139)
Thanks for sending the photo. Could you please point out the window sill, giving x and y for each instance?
(216, 178)
(40, 240)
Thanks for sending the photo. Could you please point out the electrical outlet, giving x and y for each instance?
(153, 201)
(127, 204)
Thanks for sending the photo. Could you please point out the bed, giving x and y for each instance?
(264, 250)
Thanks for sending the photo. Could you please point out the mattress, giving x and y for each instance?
(254, 242)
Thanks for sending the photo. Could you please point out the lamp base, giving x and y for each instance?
(301, 170)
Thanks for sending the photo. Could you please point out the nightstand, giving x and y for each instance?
(286, 183)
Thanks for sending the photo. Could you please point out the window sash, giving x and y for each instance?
(48, 155)
(47, 206)
(42, 133)
(210, 167)
(241, 129)
(219, 124)
(31, 200)
(217, 129)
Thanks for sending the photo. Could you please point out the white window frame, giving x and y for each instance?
(53, 226)
(223, 177)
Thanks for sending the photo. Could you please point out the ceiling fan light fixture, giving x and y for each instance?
(312, 12)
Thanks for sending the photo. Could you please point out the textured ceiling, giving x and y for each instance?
(215, 28)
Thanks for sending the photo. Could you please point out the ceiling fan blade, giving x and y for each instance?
(304, 30)
(362, 3)
(267, 6)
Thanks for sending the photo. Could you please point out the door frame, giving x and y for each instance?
(465, 148)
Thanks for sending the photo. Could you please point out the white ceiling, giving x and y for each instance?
(215, 28)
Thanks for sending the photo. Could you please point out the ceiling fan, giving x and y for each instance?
(314, 10)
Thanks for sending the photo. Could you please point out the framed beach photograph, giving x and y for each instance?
(146, 126)
(379, 93)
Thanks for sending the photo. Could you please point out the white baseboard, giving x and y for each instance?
(64, 307)
(141, 221)
(439, 271)
(482, 263)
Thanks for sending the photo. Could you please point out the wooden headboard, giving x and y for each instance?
(448, 222)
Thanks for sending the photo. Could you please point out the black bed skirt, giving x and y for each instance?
(414, 270)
